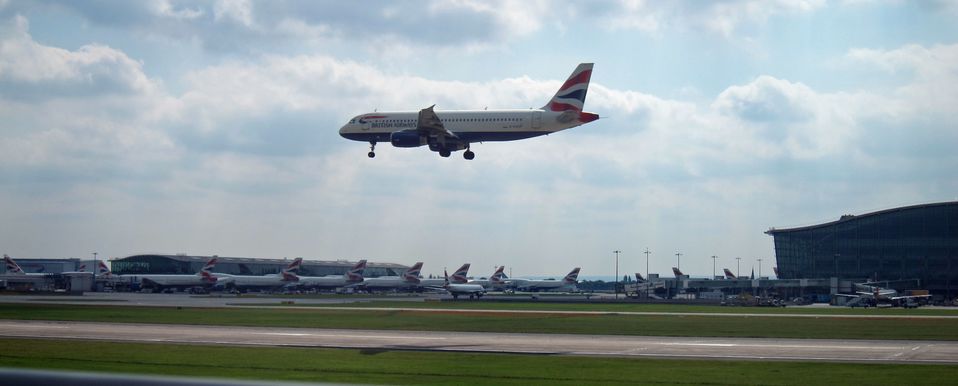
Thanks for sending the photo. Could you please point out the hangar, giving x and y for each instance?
(186, 264)
(901, 246)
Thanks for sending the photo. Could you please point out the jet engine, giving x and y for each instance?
(407, 138)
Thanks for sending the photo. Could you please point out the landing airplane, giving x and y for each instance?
(274, 281)
(353, 276)
(567, 283)
(448, 131)
(204, 278)
(408, 280)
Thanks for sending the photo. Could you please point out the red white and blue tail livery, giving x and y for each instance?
(448, 131)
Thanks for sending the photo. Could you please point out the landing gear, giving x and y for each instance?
(468, 154)
(444, 153)
(372, 150)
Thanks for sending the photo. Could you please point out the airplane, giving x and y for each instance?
(869, 295)
(456, 289)
(458, 277)
(13, 269)
(408, 280)
(496, 281)
(273, 281)
(351, 277)
(448, 131)
(567, 283)
(728, 274)
(204, 279)
(639, 278)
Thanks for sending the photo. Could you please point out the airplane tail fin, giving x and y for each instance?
(208, 268)
(461, 274)
(102, 269)
(82, 268)
(729, 274)
(499, 276)
(356, 274)
(570, 98)
(12, 267)
(294, 266)
(208, 276)
(677, 272)
(572, 277)
(289, 276)
(412, 274)
(639, 278)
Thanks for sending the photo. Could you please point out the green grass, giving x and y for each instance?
(635, 307)
(413, 367)
(648, 325)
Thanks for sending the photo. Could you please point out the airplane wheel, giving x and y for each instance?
(468, 154)
(445, 153)
(371, 155)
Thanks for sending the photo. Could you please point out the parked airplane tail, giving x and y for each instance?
(102, 269)
(12, 266)
(775, 269)
(294, 266)
(289, 276)
(461, 274)
(82, 268)
(355, 274)
(207, 276)
(677, 272)
(729, 274)
(639, 278)
(412, 274)
(499, 276)
(209, 265)
(572, 277)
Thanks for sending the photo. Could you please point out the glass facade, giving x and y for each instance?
(185, 265)
(916, 242)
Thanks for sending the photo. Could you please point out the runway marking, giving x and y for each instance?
(777, 346)
(351, 336)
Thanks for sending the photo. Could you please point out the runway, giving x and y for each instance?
(871, 351)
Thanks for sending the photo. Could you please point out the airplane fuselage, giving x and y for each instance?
(468, 125)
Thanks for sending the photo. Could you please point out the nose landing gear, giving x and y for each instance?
(468, 154)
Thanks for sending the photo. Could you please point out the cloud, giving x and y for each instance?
(31, 70)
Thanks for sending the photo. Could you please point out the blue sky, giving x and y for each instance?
(210, 127)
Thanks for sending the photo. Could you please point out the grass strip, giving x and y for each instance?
(632, 307)
(647, 325)
(429, 368)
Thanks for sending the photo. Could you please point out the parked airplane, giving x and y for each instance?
(449, 131)
(14, 269)
(353, 276)
(566, 284)
(458, 277)
(678, 273)
(497, 281)
(728, 274)
(872, 295)
(456, 289)
(639, 278)
(204, 278)
(408, 280)
(273, 281)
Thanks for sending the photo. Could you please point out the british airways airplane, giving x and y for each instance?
(448, 131)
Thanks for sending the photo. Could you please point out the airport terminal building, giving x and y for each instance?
(185, 264)
(917, 242)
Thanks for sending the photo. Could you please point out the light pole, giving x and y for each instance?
(647, 287)
(94, 271)
(678, 260)
(738, 266)
(713, 266)
(759, 267)
(616, 252)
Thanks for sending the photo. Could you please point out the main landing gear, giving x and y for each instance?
(444, 153)
(468, 154)
(372, 150)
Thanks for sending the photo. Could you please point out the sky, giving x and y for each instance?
(211, 127)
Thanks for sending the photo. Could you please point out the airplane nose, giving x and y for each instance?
(343, 130)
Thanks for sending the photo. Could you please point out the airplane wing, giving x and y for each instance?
(430, 125)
